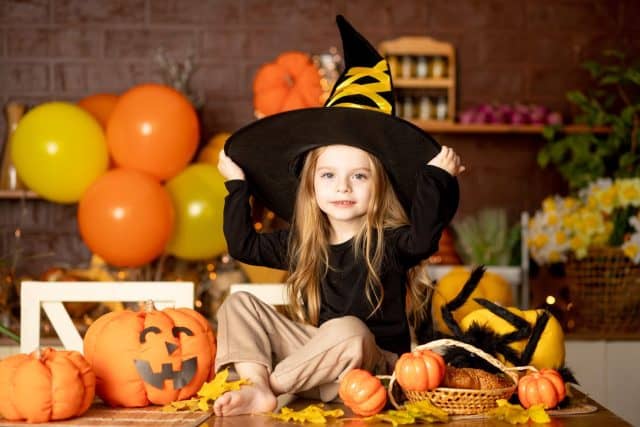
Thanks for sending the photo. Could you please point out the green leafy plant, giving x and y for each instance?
(486, 238)
(614, 103)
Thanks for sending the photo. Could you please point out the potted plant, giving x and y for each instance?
(614, 103)
(595, 232)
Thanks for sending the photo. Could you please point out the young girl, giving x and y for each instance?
(346, 185)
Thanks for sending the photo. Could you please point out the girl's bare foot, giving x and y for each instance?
(250, 399)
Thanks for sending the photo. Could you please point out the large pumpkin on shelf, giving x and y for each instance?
(290, 82)
(45, 386)
(150, 357)
(492, 287)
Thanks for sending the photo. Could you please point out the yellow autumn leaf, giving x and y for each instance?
(410, 413)
(516, 414)
(311, 414)
(538, 414)
(209, 392)
(392, 417)
(219, 385)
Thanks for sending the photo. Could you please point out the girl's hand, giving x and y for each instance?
(228, 168)
(448, 160)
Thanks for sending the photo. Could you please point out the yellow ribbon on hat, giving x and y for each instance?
(348, 87)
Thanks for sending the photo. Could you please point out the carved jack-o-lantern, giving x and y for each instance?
(150, 357)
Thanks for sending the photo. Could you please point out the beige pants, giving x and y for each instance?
(301, 359)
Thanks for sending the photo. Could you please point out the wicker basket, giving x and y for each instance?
(460, 401)
(605, 291)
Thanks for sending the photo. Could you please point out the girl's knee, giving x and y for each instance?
(236, 302)
(347, 327)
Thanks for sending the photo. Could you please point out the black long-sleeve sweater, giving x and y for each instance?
(343, 288)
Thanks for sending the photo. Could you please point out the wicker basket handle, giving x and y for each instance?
(447, 342)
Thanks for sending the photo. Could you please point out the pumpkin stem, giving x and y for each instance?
(148, 306)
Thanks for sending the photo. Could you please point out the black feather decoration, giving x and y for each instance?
(567, 375)
(532, 344)
(470, 286)
(517, 321)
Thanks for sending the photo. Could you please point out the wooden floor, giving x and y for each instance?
(601, 418)
(99, 415)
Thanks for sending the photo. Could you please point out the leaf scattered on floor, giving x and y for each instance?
(516, 414)
(311, 414)
(411, 413)
(207, 394)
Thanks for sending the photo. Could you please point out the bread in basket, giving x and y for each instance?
(460, 401)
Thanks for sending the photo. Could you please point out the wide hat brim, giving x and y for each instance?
(270, 151)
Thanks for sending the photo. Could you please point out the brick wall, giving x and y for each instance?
(508, 51)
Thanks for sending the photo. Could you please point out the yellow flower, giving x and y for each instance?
(538, 241)
(628, 191)
(561, 237)
(549, 205)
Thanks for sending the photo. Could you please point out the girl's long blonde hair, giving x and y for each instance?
(309, 243)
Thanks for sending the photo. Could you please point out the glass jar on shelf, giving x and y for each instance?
(407, 107)
(422, 70)
(425, 112)
(442, 108)
(406, 67)
(438, 67)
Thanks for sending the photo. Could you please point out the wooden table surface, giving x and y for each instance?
(601, 418)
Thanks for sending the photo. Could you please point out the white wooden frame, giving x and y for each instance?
(51, 295)
(270, 293)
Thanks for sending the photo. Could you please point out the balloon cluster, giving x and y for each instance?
(125, 160)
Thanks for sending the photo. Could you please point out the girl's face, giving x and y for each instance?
(343, 184)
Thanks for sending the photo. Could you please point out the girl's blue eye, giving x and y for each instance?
(360, 176)
(326, 175)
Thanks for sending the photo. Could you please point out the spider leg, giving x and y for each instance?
(462, 297)
(538, 328)
(522, 327)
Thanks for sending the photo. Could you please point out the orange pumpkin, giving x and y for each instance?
(545, 386)
(46, 385)
(150, 356)
(290, 82)
(100, 106)
(362, 392)
(420, 370)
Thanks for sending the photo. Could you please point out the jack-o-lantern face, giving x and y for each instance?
(181, 377)
(150, 357)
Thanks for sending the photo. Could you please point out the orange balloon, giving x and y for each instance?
(153, 129)
(126, 217)
(100, 106)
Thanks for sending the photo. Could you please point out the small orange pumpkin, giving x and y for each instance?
(420, 370)
(46, 385)
(150, 356)
(362, 392)
(545, 386)
(290, 82)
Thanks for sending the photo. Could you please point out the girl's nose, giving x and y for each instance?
(343, 185)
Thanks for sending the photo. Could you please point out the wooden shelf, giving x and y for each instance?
(18, 194)
(422, 83)
(451, 127)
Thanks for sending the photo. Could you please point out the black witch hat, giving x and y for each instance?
(360, 112)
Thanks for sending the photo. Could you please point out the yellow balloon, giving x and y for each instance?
(209, 154)
(198, 194)
(59, 149)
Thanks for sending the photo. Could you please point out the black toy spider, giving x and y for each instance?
(488, 340)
